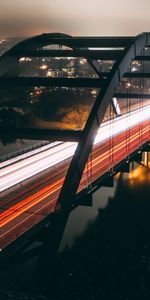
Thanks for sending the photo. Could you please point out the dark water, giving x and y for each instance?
(105, 252)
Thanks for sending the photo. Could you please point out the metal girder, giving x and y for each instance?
(131, 95)
(116, 106)
(127, 75)
(142, 58)
(137, 75)
(86, 41)
(90, 54)
(64, 82)
(41, 134)
(52, 81)
(37, 42)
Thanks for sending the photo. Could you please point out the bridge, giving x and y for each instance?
(90, 98)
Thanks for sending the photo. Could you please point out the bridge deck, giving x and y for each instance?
(36, 197)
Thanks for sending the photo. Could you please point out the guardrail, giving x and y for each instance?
(22, 151)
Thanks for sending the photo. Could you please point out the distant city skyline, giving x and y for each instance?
(80, 17)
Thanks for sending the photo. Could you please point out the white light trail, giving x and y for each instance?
(30, 166)
(27, 154)
(122, 123)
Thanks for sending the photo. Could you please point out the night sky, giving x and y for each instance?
(76, 17)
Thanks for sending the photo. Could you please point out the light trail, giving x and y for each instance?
(29, 202)
(26, 168)
(122, 123)
(43, 156)
(27, 154)
(99, 162)
(102, 157)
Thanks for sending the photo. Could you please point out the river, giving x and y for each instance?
(104, 254)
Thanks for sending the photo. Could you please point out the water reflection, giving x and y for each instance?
(111, 258)
(105, 251)
(83, 216)
(126, 190)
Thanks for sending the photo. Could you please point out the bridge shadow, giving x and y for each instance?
(111, 260)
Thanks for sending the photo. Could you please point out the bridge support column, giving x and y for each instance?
(146, 159)
(147, 147)
(125, 168)
(108, 182)
(138, 157)
(48, 260)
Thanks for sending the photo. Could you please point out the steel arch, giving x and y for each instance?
(80, 158)
(84, 148)
(133, 47)
(9, 58)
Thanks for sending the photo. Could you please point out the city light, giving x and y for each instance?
(25, 59)
(43, 67)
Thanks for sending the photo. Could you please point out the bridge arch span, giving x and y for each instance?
(129, 48)
(131, 51)
(119, 49)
